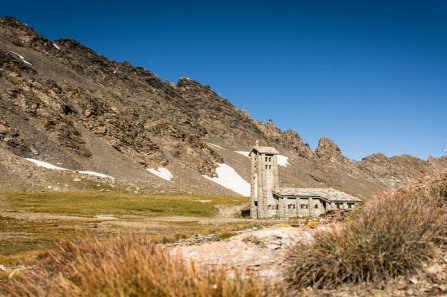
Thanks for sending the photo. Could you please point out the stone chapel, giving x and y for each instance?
(269, 200)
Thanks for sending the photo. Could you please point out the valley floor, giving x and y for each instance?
(207, 230)
(31, 223)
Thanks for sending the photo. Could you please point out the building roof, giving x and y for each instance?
(265, 150)
(328, 194)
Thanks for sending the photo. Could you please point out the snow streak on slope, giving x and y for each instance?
(282, 160)
(246, 154)
(51, 166)
(96, 174)
(45, 164)
(230, 179)
(214, 145)
(22, 58)
(161, 172)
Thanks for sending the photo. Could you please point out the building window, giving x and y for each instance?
(338, 205)
(270, 159)
(256, 203)
(270, 166)
(266, 159)
(270, 206)
(276, 206)
(294, 206)
(350, 205)
(316, 205)
(266, 167)
(307, 206)
(302, 206)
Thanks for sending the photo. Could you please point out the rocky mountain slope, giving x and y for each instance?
(62, 103)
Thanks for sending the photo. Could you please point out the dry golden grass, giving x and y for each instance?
(78, 214)
(93, 203)
(393, 235)
(125, 266)
(29, 239)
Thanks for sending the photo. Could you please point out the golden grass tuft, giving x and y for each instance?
(312, 224)
(393, 235)
(283, 225)
(125, 266)
(226, 235)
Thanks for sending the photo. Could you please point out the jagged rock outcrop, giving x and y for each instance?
(398, 169)
(328, 150)
(61, 102)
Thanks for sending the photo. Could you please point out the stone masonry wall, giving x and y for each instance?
(264, 170)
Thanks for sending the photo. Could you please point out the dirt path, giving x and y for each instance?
(36, 216)
(134, 222)
(227, 211)
(261, 251)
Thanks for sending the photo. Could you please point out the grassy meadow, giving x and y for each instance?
(31, 223)
(392, 236)
(91, 204)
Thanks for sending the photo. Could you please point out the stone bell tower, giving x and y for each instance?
(264, 178)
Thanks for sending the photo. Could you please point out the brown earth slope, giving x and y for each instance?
(62, 103)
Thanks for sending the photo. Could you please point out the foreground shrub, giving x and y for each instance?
(130, 266)
(393, 235)
(432, 189)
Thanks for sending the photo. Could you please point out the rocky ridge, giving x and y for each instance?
(64, 104)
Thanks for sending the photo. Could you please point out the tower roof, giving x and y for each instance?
(265, 150)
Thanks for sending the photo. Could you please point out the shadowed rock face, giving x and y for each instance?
(61, 102)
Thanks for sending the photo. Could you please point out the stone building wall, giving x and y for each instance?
(254, 184)
(264, 170)
(308, 206)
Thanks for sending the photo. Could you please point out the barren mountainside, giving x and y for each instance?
(62, 103)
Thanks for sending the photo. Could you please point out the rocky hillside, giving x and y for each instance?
(63, 104)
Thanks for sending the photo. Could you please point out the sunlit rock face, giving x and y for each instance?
(63, 104)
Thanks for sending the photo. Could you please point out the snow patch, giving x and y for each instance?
(96, 174)
(161, 172)
(114, 71)
(44, 164)
(283, 161)
(246, 154)
(230, 179)
(56, 46)
(214, 145)
(51, 166)
(203, 201)
(22, 58)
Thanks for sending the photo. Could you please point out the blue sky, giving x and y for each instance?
(370, 75)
